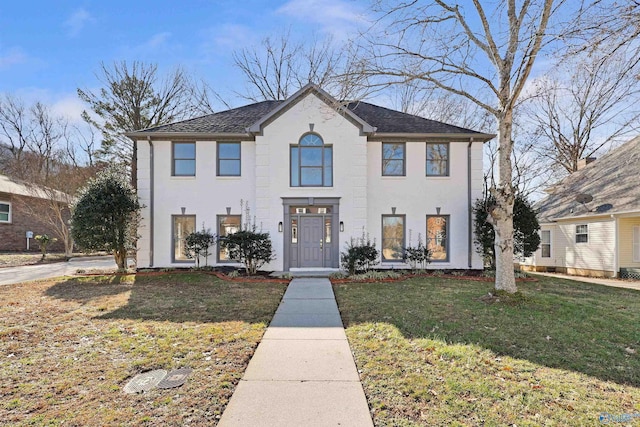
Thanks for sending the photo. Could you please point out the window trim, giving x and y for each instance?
(582, 234)
(404, 159)
(542, 244)
(10, 215)
(635, 243)
(174, 158)
(218, 158)
(448, 235)
(404, 236)
(173, 239)
(299, 147)
(426, 154)
(218, 246)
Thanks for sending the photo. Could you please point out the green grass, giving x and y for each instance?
(69, 346)
(438, 352)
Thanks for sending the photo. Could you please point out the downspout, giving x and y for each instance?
(470, 210)
(616, 259)
(151, 216)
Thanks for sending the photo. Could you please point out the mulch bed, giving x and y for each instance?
(222, 276)
(440, 276)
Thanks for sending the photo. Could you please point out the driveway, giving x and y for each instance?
(27, 273)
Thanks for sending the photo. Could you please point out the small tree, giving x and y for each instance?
(44, 240)
(360, 254)
(250, 247)
(418, 255)
(525, 224)
(105, 215)
(197, 245)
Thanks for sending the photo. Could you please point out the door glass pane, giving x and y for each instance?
(182, 227)
(327, 230)
(294, 230)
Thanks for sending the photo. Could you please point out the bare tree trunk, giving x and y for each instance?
(501, 215)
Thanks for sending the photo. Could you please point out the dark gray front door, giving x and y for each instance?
(311, 244)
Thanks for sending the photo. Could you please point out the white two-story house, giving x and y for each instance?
(315, 173)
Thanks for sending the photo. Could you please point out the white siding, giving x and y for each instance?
(597, 254)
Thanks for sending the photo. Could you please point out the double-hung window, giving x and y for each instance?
(393, 237)
(228, 158)
(545, 243)
(311, 162)
(5, 212)
(582, 233)
(183, 225)
(438, 237)
(393, 159)
(184, 159)
(437, 159)
(227, 224)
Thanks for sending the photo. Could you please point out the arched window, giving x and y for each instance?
(311, 162)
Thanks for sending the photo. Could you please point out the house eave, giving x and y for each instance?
(599, 215)
(200, 136)
(450, 137)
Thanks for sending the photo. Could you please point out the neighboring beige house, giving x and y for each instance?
(315, 174)
(590, 222)
(23, 208)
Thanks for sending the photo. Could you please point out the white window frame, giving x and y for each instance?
(542, 243)
(8, 221)
(582, 233)
(635, 243)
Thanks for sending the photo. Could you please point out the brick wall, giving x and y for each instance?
(13, 235)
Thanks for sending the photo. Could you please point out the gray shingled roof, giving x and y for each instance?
(392, 121)
(237, 120)
(613, 181)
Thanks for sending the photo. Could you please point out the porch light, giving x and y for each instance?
(280, 227)
(341, 226)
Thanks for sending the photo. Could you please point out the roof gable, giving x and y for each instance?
(613, 181)
(299, 95)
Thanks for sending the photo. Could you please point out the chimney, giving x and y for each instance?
(584, 162)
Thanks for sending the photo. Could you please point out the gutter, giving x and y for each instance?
(151, 201)
(470, 213)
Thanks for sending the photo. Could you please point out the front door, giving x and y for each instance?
(311, 241)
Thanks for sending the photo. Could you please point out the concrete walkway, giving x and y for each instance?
(27, 273)
(617, 283)
(303, 372)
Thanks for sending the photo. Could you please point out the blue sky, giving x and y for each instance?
(50, 48)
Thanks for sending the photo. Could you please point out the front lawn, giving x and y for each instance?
(435, 351)
(68, 347)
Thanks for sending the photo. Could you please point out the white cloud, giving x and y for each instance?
(231, 36)
(77, 21)
(336, 17)
(11, 57)
(70, 107)
(157, 40)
